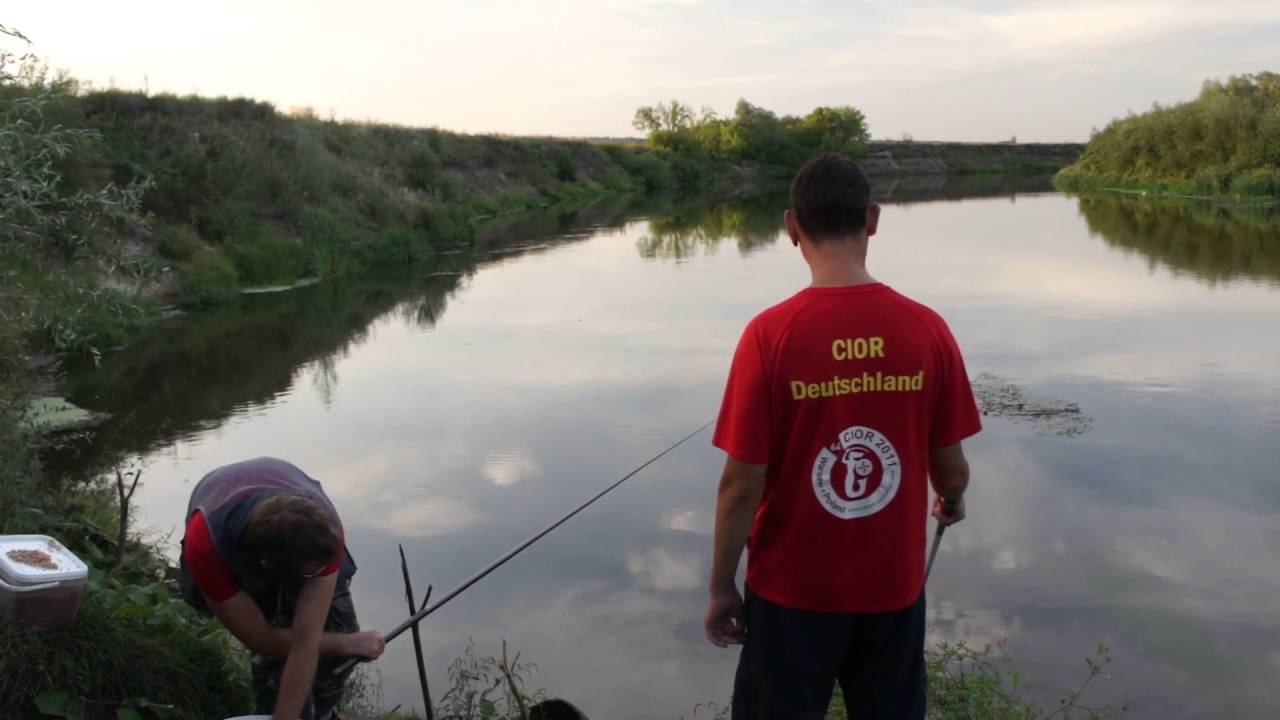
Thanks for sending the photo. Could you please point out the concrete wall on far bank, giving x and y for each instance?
(948, 158)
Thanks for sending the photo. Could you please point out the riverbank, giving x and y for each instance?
(237, 194)
(1252, 191)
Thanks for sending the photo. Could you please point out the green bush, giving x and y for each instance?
(565, 171)
(1211, 181)
(394, 246)
(122, 653)
(442, 226)
(422, 171)
(1227, 140)
(328, 242)
(267, 260)
(74, 316)
(208, 278)
(647, 169)
(180, 242)
(1258, 182)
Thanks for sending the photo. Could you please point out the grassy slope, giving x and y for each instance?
(245, 196)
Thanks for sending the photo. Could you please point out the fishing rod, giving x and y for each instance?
(949, 506)
(422, 614)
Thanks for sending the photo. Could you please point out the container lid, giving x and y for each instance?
(37, 559)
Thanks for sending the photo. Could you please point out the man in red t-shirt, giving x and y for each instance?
(842, 403)
(264, 553)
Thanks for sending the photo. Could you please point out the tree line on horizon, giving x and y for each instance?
(1226, 141)
(752, 133)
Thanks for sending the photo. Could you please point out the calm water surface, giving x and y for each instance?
(458, 411)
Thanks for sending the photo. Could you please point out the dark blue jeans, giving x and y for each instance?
(792, 660)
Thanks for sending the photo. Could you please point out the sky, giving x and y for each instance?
(973, 70)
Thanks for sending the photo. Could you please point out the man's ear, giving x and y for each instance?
(793, 227)
(873, 219)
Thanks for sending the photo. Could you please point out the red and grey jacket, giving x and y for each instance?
(227, 496)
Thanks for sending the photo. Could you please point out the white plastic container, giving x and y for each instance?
(33, 595)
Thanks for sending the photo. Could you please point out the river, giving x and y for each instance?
(459, 408)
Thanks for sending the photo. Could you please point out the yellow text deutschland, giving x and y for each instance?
(867, 382)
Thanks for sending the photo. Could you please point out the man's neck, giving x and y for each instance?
(839, 265)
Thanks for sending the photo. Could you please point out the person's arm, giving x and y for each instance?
(949, 475)
(304, 646)
(741, 486)
(242, 617)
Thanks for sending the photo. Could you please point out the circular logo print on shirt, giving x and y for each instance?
(858, 475)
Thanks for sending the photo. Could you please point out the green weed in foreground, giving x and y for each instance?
(970, 684)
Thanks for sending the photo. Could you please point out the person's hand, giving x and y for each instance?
(725, 621)
(948, 512)
(367, 644)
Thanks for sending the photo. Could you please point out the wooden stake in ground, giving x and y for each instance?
(125, 496)
(417, 638)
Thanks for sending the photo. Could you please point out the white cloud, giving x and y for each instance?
(659, 569)
(430, 518)
(508, 468)
(694, 521)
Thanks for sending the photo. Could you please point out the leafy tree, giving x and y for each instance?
(843, 126)
(752, 132)
(664, 117)
(1227, 140)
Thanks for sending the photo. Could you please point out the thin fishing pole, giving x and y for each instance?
(422, 615)
(949, 507)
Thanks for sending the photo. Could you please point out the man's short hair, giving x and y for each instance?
(291, 532)
(830, 197)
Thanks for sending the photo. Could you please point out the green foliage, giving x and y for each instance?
(487, 688)
(565, 171)
(288, 197)
(135, 647)
(180, 242)
(480, 688)
(646, 170)
(131, 648)
(422, 172)
(47, 223)
(208, 278)
(752, 133)
(1225, 142)
(268, 260)
(328, 242)
(965, 683)
(663, 117)
(1261, 181)
(71, 279)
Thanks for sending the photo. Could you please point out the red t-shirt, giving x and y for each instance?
(842, 392)
(210, 573)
